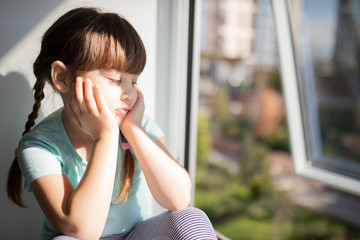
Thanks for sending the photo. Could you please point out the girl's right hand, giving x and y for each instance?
(90, 111)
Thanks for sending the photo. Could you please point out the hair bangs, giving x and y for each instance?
(116, 47)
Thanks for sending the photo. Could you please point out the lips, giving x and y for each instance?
(121, 111)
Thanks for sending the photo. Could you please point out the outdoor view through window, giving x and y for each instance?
(244, 179)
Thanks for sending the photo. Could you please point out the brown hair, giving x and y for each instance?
(84, 39)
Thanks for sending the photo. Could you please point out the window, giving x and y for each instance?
(244, 170)
(320, 62)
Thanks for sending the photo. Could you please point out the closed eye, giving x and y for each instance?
(117, 81)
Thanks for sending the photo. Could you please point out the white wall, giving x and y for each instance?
(22, 24)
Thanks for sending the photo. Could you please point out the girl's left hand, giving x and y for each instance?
(135, 115)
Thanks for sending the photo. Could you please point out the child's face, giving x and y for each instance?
(118, 88)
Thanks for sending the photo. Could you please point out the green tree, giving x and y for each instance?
(203, 140)
(222, 117)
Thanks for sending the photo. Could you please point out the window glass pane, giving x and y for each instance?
(244, 175)
(326, 36)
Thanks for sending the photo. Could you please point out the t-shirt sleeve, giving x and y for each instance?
(152, 128)
(36, 160)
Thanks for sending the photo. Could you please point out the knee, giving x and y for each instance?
(192, 223)
(193, 212)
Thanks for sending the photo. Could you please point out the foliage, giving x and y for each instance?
(254, 167)
(246, 206)
(223, 123)
(275, 77)
(335, 125)
(279, 141)
(245, 228)
(310, 225)
(218, 194)
(203, 140)
(238, 214)
(221, 113)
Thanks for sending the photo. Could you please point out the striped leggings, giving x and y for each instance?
(188, 224)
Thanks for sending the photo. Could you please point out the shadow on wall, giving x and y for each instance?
(16, 103)
(18, 17)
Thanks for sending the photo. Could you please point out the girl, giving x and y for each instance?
(79, 161)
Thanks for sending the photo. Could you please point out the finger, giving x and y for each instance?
(99, 97)
(140, 96)
(79, 94)
(139, 93)
(137, 89)
(73, 101)
(89, 97)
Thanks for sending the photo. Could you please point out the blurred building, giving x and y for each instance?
(238, 37)
(228, 31)
(239, 30)
(265, 43)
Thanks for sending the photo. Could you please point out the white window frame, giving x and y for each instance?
(302, 163)
(178, 57)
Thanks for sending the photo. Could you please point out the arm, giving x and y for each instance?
(82, 211)
(168, 181)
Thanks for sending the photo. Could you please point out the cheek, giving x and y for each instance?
(110, 96)
(109, 101)
(135, 95)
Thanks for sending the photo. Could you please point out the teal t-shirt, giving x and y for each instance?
(47, 150)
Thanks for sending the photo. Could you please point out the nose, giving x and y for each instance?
(128, 93)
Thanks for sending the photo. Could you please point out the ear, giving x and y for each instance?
(59, 76)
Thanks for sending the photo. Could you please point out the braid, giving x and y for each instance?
(39, 96)
(14, 188)
(127, 174)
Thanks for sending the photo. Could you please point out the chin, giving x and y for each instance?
(120, 120)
